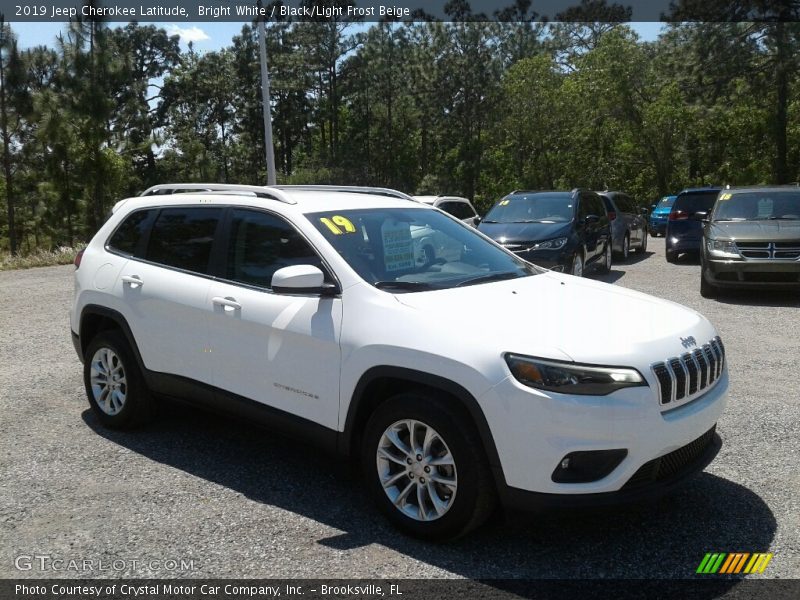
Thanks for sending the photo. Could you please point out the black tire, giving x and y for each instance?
(626, 247)
(707, 290)
(474, 497)
(138, 406)
(605, 265)
(672, 257)
(575, 257)
(643, 245)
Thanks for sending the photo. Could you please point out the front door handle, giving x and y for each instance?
(132, 280)
(228, 304)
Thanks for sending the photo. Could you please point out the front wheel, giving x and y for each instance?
(707, 290)
(643, 246)
(605, 267)
(425, 467)
(576, 268)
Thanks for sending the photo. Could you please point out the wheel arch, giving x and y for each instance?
(381, 382)
(95, 318)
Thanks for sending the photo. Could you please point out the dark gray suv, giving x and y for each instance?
(628, 223)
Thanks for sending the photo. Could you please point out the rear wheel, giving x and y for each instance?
(114, 384)
(425, 467)
(672, 256)
(626, 246)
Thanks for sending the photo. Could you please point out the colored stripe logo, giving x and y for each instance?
(734, 562)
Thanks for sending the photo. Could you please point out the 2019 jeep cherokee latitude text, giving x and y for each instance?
(310, 309)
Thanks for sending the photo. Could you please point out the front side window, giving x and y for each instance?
(554, 207)
(415, 249)
(260, 244)
(128, 235)
(182, 237)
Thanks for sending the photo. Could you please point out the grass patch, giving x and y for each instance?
(62, 255)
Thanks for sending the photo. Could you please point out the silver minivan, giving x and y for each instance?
(628, 223)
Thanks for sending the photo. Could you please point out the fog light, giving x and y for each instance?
(584, 467)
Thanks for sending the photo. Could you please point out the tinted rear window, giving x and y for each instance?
(182, 238)
(696, 201)
(127, 236)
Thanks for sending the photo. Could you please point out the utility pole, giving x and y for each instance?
(262, 46)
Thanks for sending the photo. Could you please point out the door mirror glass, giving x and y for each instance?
(591, 219)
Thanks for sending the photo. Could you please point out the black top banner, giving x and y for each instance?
(402, 10)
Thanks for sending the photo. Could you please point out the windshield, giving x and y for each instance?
(415, 249)
(758, 206)
(533, 208)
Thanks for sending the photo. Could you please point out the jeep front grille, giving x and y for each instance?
(690, 374)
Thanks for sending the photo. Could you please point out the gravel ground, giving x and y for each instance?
(235, 501)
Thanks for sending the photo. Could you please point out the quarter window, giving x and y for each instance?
(260, 244)
(128, 235)
(182, 238)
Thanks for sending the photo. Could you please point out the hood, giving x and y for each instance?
(756, 231)
(524, 232)
(551, 313)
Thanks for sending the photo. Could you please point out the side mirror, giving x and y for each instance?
(591, 219)
(476, 221)
(643, 211)
(700, 215)
(301, 279)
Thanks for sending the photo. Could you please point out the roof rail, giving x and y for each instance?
(273, 193)
(354, 189)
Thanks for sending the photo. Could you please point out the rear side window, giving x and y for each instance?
(460, 210)
(696, 201)
(260, 244)
(182, 238)
(128, 235)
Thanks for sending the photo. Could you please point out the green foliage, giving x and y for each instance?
(471, 107)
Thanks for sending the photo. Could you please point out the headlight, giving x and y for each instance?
(571, 378)
(724, 249)
(555, 244)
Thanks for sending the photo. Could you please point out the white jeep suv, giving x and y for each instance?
(458, 382)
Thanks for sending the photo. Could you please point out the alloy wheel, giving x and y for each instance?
(417, 470)
(107, 377)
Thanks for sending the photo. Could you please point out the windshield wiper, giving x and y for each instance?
(782, 219)
(490, 277)
(489, 221)
(407, 286)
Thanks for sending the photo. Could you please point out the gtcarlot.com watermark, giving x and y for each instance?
(49, 563)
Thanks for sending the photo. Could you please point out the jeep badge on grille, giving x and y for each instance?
(688, 342)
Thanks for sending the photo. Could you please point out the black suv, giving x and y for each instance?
(563, 231)
(685, 225)
(752, 239)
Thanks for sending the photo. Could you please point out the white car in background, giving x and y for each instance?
(303, 308)
(460, 208)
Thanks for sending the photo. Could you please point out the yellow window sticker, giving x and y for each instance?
(338, 224)
(726, 196)
(504, 202)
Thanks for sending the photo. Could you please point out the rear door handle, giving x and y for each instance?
(133, 280)
(228, 304)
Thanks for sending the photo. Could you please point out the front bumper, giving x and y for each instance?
(752, 273)
(540, 429)
(558, 260)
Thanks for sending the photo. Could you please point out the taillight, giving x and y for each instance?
(612, 216)
(678, 215)
(78, 258)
